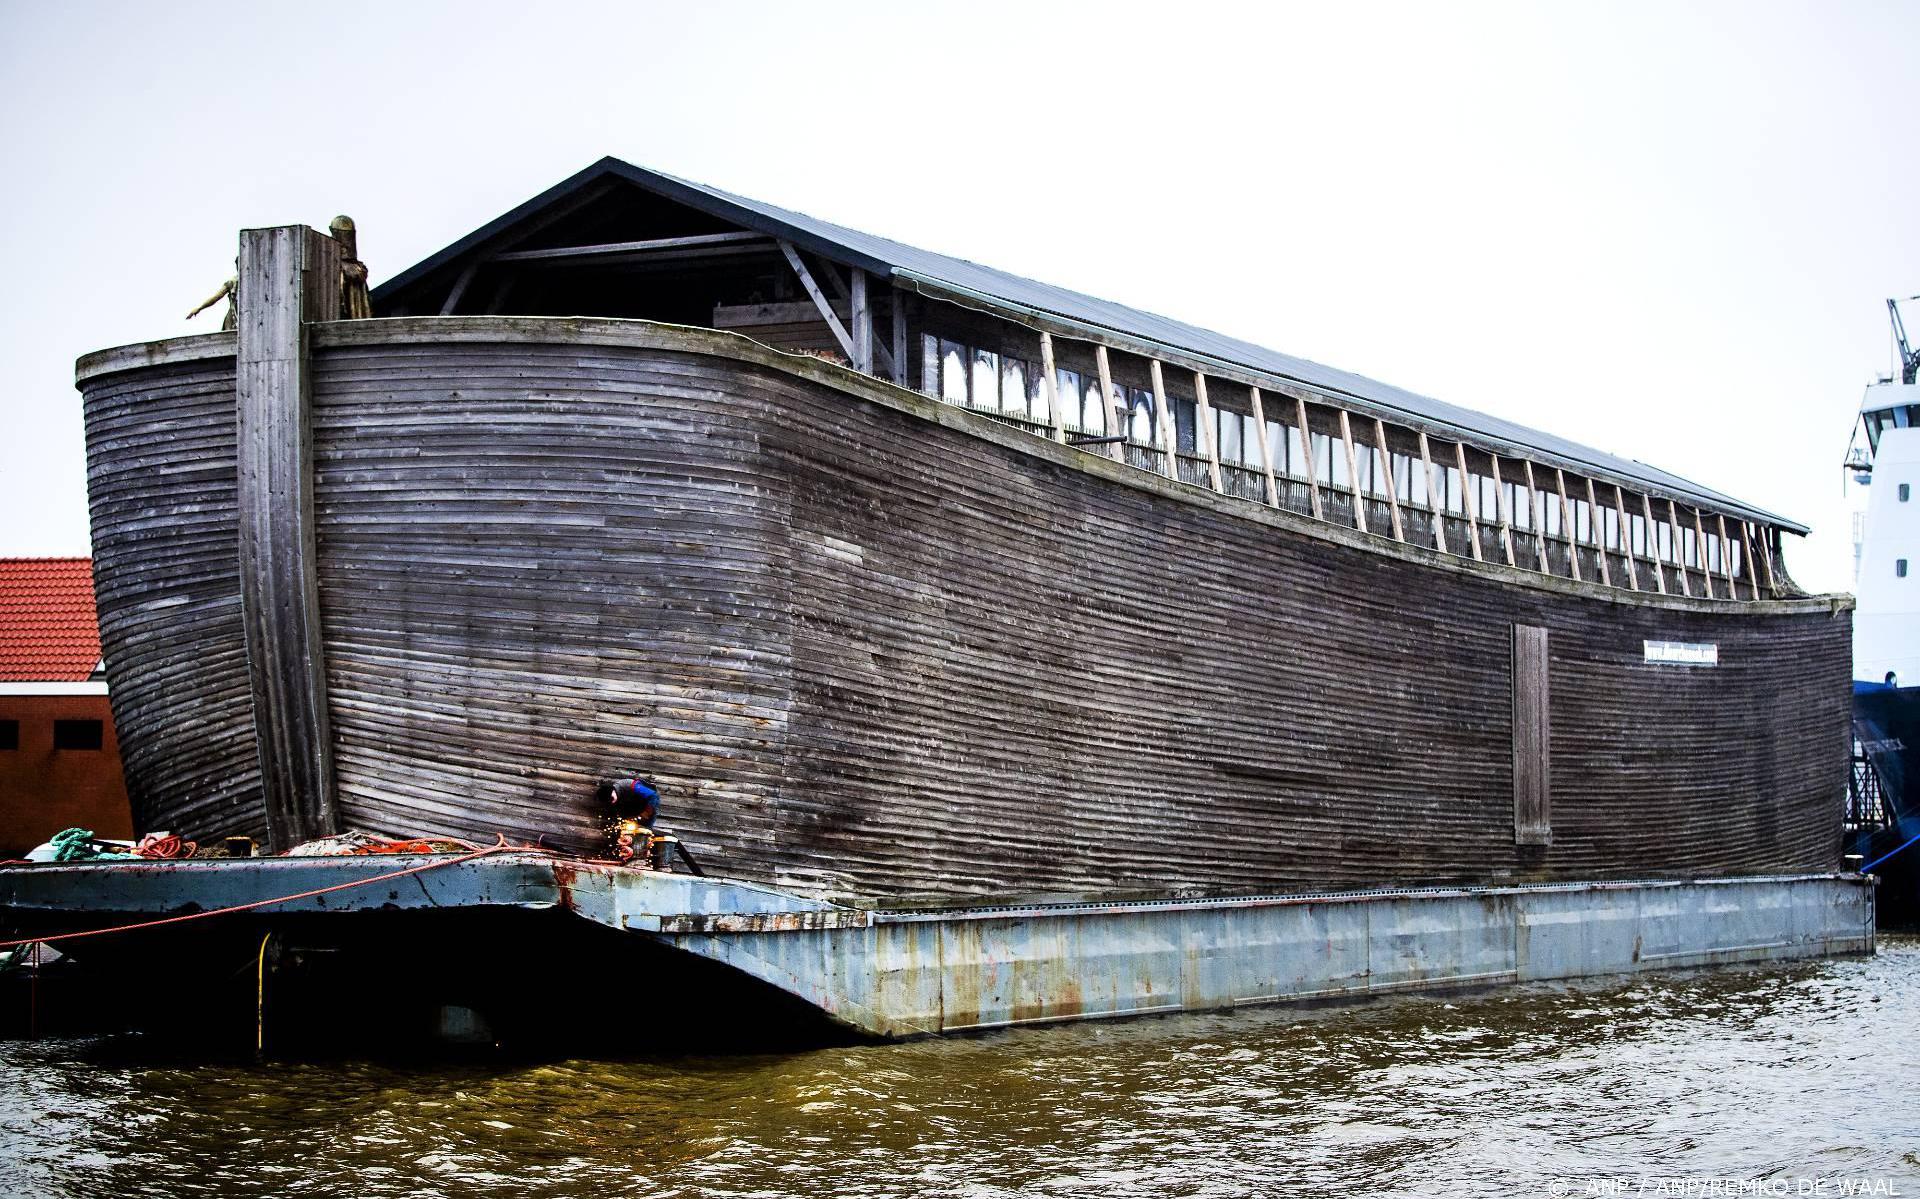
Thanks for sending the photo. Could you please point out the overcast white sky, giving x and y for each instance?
(1665, 230)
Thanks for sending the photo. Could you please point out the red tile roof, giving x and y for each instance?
(48, 629)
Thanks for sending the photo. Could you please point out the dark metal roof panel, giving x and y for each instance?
(886, 256)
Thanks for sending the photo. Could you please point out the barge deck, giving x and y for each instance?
(899, 973)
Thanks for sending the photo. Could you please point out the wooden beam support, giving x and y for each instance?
(1266, 447)
(1116, 412)
(1467, 500)
(835, 284)
(1567, 526)
(1626, 537)
(898, 311)
(1599, 535)
(459, 288)
(883, 363)
(1500, 506)
(1746, 561)
(1537, 518)
(1679, 549)
(862, 314)
(1306, 455)
(1353, 474)
(1209, 433)
(1163, 420)
(1706, 564)
(1050, 386)
(840, 333)
(632, 248)
(1767, 534)
(1436, 497)
(289, 276)
(1393, 499)
(1653, 545)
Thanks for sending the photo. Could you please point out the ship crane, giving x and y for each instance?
(1909, 358)
(1859, 460)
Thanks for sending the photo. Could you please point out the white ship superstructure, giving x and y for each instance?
(1886, 625)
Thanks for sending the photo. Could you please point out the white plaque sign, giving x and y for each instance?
(1683, 653)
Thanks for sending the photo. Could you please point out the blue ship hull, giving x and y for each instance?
(1883, 810)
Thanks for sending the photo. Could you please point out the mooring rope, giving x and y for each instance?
(266, 903)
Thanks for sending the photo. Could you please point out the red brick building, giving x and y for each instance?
(59, 760)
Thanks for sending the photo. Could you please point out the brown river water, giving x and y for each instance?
(1797, 1079)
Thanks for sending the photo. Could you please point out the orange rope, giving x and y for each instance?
(265, 903)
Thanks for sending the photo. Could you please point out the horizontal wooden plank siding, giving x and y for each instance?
(161, 481)
(877, 648)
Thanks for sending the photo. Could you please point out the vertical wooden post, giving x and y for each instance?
(1679, 549)
(1537, 518)
(1626, 536)
(1746, 561)
(1050, 384)
(1599, 535)
(1163, 416)
(1353, 473)
(1386, 461)
(1706, 564)
(1436, 497)
(288, 277)
(1306, 454)
(1653, 545)
(1500, 506)
(1209, 434)
(1765, 534)
(1566, 523)
(1532, 737)
(862, 324)
(1266, 449)
(898, 310)
(1468, 500)
(1116, 411)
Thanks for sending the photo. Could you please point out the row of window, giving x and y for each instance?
(67, 734)
(1011, 386)
(1237, 437)
(1906, 416)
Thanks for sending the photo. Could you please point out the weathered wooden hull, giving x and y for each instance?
(872, 644)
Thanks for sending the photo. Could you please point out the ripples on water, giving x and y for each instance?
(1784, 1072)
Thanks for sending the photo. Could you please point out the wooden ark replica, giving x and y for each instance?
(905, 577)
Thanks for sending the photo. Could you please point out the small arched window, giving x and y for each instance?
(1899, 568)
(1906, 489)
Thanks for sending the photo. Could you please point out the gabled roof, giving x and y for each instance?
(48, 630)
(1015, 296)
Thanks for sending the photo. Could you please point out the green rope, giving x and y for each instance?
(77, 845)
